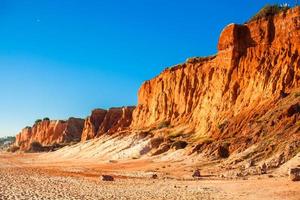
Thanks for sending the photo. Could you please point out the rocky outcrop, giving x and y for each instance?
(106, 122)
(255, 62)
(51, 132)
(92, 124)
(247, 94)
(246, 97)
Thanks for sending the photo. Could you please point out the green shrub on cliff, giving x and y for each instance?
(269, 10)
(37, 121)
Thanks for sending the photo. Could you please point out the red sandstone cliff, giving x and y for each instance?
(237, 98)
(52, 132)
(92, 123)
(254, 63)
(106, 122)
(247, 95)
(49, 132)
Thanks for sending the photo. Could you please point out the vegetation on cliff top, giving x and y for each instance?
(37, 121)
(269, 10)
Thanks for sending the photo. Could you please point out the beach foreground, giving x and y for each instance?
(23, 176)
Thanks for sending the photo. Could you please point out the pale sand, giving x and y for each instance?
(23, 178)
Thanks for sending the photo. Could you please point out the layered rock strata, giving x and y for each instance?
(255, 62)
(48, 132)
(106, 122)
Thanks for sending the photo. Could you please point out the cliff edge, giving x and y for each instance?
(240, 105)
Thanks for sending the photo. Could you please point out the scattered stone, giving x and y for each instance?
(154, 176)
(249, 164)
(263, 168)
(196, 174)
(179, 145)
(294, 174)
(223, 151)
(107, 178)
(238, 174)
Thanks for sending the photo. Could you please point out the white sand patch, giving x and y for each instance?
(104, 148)
(177, 155)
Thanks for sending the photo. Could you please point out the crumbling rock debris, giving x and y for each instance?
(294, 174)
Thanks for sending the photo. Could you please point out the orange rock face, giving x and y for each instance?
(106, 122)
(92, 123)
(56, 131)
(255, 62)
(247, 94)
(50, 132)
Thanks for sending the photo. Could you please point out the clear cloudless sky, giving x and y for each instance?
(62, 58)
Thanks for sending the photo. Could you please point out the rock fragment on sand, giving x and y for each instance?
(154, 176)
(263, 168)
(196, 174)
(294, 174)
(107, 178)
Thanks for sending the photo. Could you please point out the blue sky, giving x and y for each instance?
(61, 58)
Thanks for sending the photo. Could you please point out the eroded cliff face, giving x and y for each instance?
(106, 122)
(241, 104)
(255, 63)
(74, 130)
(92, 124)
(51, 132)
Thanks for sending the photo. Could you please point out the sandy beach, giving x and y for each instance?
(24, 177)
